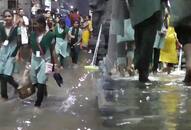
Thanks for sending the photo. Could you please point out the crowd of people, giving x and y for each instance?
(50, 38)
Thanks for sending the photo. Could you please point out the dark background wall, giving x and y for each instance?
(83, 7)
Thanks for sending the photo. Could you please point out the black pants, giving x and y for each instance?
(145, 33)
(75, 50)
(4, 79)
(61, 60)
(41, 91)
(121, 51)
(156, 59)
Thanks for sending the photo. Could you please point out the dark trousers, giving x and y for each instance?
(145, 33)
(41, 91)
(61, 60)
(122, 54)
(4, 79)
(121, 50)
(75, 50)
(156, 59)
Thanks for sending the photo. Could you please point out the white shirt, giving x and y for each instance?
(26, 20)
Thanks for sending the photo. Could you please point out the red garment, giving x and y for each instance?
(75, 17)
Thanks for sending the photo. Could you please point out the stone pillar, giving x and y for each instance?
(119, 11)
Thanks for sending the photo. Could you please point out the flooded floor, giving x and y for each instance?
(163, 105)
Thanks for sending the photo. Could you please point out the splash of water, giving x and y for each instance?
(68, 103)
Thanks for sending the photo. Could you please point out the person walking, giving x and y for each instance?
(75, 36)
(85, 36)
(41, 43)
(145, 23)
(61, 47)
(9, 50)
(169, 54)
(24, 23)
(181, 19)
(74, 16)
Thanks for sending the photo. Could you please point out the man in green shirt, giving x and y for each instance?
(181, 20)
(146, 17)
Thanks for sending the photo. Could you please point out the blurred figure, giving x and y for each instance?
(169, 53)
(126, 47)
(49, 21)
(41, 43)
(90, 24)
(75, 37)
(146, 23)
(61, 33)
(9, 51)
(181, 19)
(22, 22)
(68, 21)
(86, 34)
(74, 16)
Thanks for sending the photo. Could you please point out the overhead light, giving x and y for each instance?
(71, 6)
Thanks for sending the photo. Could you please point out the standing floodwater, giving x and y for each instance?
(162, 105)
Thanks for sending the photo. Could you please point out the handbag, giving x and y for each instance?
(128, 32)
(26, 88)
(160, 37)
(159, 40)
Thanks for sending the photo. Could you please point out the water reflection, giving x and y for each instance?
(170, 106)
(156, 106)
(163, 105)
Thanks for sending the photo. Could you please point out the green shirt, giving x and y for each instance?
(45, 43)
(62, 34)
(141, 10)
(180, 12)
(3, 35)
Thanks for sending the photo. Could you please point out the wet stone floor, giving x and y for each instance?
(83, 104)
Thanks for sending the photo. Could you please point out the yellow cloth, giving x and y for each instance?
(169, 53)
(90, 26)
(85, 37)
